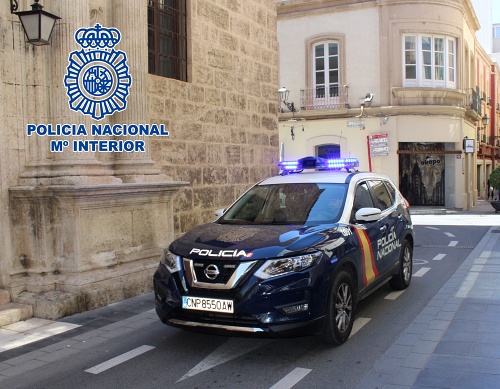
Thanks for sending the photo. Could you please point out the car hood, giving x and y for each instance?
(229, 241)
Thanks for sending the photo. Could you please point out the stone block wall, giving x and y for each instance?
(81, 230)
(223, 121)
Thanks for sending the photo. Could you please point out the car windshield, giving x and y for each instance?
(304, 204)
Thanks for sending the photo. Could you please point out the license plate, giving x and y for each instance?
(206, 304)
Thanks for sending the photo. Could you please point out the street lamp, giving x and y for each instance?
(485, 120)
(37, 24)
(283, 97)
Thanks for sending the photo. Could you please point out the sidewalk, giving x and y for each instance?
(455, 341)
(483, 207)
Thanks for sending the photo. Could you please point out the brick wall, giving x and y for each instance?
(223, 121)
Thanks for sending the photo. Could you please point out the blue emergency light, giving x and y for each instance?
(317, 163)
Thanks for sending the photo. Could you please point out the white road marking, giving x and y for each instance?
(439, 257)
(449, 234)
(29, 331)
(456, 220)
(431, 228)
(417, 262)
(359, 323)
(291, 378)
(119, 359)
(394, 295)
(421, 272)
(453, 243)
(231, 349)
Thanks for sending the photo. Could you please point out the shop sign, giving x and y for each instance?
(469, 145)
(379, 145)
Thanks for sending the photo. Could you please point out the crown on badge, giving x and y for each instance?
(97, 37)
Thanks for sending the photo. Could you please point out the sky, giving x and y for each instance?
(495, 17)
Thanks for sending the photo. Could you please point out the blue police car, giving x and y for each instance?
(293, 255)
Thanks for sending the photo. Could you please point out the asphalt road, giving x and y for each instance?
(123, 348)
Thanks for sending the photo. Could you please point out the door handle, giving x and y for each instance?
(383, 228)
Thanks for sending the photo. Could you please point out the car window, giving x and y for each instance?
(251, 204)
(382, 198)
(391, 189)
(362, 198)
(290, 203)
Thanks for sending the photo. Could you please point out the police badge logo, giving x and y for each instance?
(97, 78)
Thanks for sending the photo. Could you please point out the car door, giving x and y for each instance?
(387, 245)
(368, 234)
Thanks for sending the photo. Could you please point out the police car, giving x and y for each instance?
(293, 255)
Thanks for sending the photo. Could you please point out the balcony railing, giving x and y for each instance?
(473, 101)
(337, 97)
(322, 98)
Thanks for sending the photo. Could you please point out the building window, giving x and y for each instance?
(429, 61)
(496, 31)
(328, 151)
(325, 73)
(326, 69)
(167, 38)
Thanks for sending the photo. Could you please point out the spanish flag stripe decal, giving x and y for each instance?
(370, 272)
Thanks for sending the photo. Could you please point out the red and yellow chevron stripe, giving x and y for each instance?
(370, 272)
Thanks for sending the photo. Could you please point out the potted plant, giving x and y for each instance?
(495, 183)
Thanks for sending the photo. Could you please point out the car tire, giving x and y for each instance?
(402, 279)
(340, 309)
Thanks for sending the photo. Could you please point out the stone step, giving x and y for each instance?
(4, 297)
(12, 312)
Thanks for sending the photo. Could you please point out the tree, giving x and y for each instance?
(495, 178)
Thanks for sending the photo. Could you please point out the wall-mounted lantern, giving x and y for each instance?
(37, 23)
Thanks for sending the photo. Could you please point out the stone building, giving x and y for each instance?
(83, 229)
(399, 84)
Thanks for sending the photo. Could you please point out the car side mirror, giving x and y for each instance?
(367, 215)
(220, 212)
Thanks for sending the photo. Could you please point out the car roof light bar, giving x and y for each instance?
(317, 163)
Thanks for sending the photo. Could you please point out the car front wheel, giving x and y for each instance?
(340, 310)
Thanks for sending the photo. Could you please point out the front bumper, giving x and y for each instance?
(259, 305)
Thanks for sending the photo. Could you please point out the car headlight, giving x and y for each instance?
(278, 267)
(171, 261)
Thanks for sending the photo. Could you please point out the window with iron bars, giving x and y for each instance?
(167, 38)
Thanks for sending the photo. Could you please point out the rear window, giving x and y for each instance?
(383, 199)
(303, 203)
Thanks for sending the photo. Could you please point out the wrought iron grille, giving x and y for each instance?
(167, 38)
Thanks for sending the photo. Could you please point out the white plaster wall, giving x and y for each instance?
(352, 140)
(361, 30)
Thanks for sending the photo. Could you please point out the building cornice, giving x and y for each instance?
(377, 112)
(298, 8)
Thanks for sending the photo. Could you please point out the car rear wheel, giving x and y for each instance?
(402, 280)
(340, 310)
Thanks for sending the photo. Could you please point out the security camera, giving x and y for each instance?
(367, 101)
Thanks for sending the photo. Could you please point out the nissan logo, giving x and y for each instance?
(211, 272)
